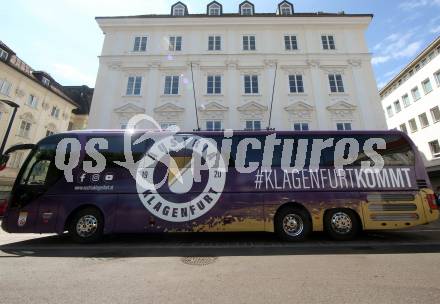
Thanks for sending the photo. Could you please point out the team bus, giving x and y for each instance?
(95, 183)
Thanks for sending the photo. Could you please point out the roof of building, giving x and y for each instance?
(82, 95)
(435, 44)
(22, 67)
(318, 14)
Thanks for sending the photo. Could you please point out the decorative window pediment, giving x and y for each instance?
(300, 111)
(129, 109)
(169, 112)
(342, 110)
(252, 110)
(28, 117)
(246, 8)
(285, 8)
(179, 9)
(213, 110)
(214, 9)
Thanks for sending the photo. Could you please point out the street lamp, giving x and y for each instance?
(15, 107)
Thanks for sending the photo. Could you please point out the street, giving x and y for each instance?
(379, 267)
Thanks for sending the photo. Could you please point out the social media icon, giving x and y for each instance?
(109, 177)
(82, 177)
(95, 177)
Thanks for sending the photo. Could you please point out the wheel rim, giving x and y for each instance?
(341, 223)
(87, 226)
(293, 224)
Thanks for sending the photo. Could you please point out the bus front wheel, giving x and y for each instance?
(293, 224)
(86, 226)
(341, 224)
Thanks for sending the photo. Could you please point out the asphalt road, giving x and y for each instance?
(379, 267)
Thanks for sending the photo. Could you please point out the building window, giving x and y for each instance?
(303, 126)
(249, 43)
(403, 128)
(49, 133)
(179, 10)
(175, 43)
(336, 83)
(415, 93)
(214, 125)
(134, 85)
(406, 101)
(412, 125)
(1, 115)
(427, 87)
(166, 125)
(140, 44)
(435, 148)
(296, 84)
(437, 78)
(45, 81)
(435, 114)
(171, 85)
(214, 43)
(390, 111)
(3, 54)
(290, 43)
(25, 128)
(214, 10)
(55, 112)
(15, 161)
(328, 42)
(124, 125)
(214, 85)
(286, 9)
(423, 118)
(32, 101)
(343, 126)
(251, 84)
(397, 106)
(5, 87)
(247, 10)
(253, 125)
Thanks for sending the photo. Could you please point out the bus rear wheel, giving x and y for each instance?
(86, 226)
(341, 224)
(293, 224)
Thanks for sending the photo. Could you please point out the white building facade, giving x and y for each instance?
(411, 102)
(245, 70)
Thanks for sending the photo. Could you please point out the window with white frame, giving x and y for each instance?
(290, 43)
(343, 126)
(296, 84)
(423, 118)
(390, 112)
(249, 43)
(251, 84)
(214, 10)
(49, 133)
(175, 43)
(15, 160)
(415, 93)
(412, 125)
(55, 112)
(166, 125)
(140, 44)
(45, 81)
(25, 129)
(3, 54)
(437, 78)
(247, 10)
(434, 146)
(286, 9)
(134, 85)
(301, 126)
(213, 125)
(5, 87)
(179, 10)
(171, 85)
(427, 87)
(253, 125)
(32, 101)
(336, 83)
(214, 43)
(435, 114)
(406, 101)
(397, 106)
(403, 128)
(214, 84)
(328, 42)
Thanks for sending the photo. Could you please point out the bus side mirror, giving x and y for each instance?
(3, 161)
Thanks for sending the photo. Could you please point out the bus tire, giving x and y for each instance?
(86, 226)
(341, 224)
(293, 224)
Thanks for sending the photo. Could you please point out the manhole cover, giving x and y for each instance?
(199, 261)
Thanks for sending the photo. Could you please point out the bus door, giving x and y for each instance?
(31, 208)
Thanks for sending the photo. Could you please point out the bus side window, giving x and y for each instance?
(38, 173)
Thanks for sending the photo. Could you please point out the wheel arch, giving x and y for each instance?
(292, 204)
(355, 212)
(79, 208)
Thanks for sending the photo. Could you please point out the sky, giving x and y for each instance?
(62, 37)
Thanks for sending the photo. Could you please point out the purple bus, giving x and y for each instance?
(290, 183)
